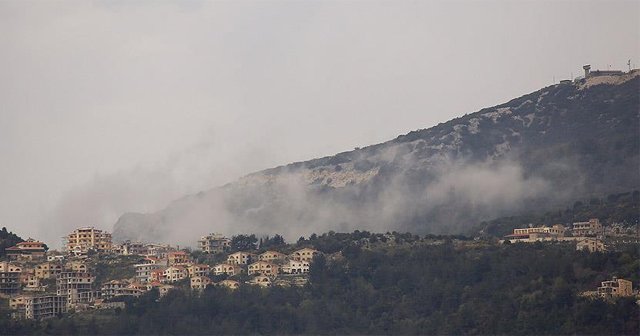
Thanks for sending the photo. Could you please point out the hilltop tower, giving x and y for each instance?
(586, 68)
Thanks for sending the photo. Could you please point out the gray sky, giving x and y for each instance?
(117, 106)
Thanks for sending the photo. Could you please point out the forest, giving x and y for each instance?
(426, 286)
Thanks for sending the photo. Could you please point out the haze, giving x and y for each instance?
(109, 107)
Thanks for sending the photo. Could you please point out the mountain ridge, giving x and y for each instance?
(542, 148)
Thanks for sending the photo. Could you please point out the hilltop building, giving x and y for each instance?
(214, 243)
(615, 287)
(82, 240)
(589, 228)
(588, 73)
(533, 234)
(27, 250)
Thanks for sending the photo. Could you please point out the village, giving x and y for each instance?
(39, 283)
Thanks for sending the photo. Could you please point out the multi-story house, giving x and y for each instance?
(44, 306)
(590, 228)
(76, 266)
(214, 243)
(82, 240)
(227, 269)
(198, 270)
(76, 286)
(232, 284)
(143, 271)
(591, 245)
(296, 267)
(115, 288)
(32, 283)
(200, 282)
(158, 250)
(9, 278)
(48, 270)
(130, 248)
(305, 254)
(157, 275)
(174, 273)
(240, 258)
(178, 258)
(55, 258)
(260, 280)
(272, 256)
(27, 250)
(263, 267)
(616, 287)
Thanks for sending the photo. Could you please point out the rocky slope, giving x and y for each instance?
(541, 150)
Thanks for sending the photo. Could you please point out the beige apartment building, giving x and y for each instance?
(178, 258)
(272, 256)
(264, 268)
(555, 230)
(48, 270)
(76, 286)
(200, 282)
(9, 278)
(76, 266)
(240, 258)
(616, 287)
(82, 240)
(590, 228)
(232, 284)
(305, 254)
(227, 269)
(44, 307)
(591, 245)
(214, 243)
(198, 270)
(174, 273)
(27, 250)
(296, 267)
(261, 280)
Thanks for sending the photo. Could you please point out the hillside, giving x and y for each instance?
(8, 239)
(541, 151)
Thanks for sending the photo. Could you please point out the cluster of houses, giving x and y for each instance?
(587, 235)
(40, 284)
(265, 269)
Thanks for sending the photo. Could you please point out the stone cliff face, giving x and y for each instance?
(543, 149)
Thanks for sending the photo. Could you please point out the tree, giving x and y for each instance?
(244, 242)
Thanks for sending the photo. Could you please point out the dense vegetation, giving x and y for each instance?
(423, 287)
(621, 208)
(8, 239)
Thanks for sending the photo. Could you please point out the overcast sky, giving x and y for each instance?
(107, 107)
